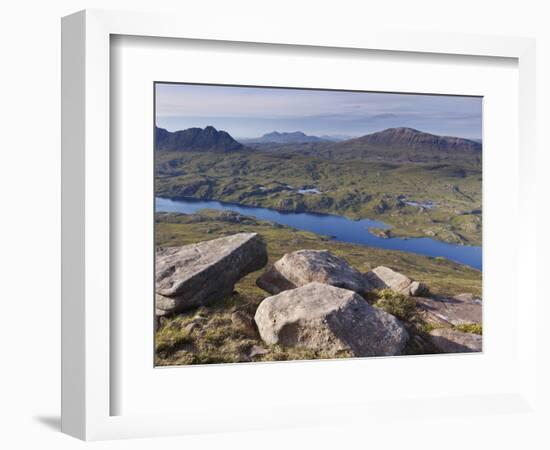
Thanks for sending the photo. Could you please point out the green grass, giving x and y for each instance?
(214, 338)
(352, 188)
(208, 335)
(172, 337)
(475, 328)
(396, 304)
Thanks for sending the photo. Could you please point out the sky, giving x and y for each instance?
(247, 112)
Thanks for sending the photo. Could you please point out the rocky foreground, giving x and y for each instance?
(335, 320)
(320, 306)
(198, 274)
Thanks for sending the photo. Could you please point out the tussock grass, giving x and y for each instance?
(396, 304)
(172, 337)
(278, 353)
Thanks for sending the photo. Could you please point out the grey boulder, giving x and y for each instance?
(329, 319)
(385, 278)
(197, 274)
(448, 340)
(305, 266)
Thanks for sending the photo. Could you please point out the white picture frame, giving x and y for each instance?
(86, 237)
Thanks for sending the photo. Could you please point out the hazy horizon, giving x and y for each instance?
(251, 112)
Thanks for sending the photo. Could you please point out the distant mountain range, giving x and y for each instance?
(196, 139)
(275, 137)
(395, 144)
(335, 137)
(402, 137)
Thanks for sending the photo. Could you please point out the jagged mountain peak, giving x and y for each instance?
(196, 139)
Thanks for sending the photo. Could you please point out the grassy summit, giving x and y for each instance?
(215, 334)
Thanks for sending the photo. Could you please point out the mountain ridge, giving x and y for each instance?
(196, 139)
(399, 144)
(396, 145)
(406, 137)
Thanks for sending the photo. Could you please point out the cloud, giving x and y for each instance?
(245, 111)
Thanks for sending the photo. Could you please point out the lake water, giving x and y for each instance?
(337, 227)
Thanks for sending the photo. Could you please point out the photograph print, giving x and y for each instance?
(304, 224)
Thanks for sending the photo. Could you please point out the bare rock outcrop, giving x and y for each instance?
(448, 340)
(459, 310)
(385, 278)
(330, 319)
(301, 267)
(198, 274)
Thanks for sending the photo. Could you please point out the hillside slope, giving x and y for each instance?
(413, 139)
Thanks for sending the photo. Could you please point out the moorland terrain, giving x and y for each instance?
(420, 184)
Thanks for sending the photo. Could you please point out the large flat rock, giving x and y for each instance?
(198, 274)
(329, 319)
(448, 340)
(305, 266)
(454, 311)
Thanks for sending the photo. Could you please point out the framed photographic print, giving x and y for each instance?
(290, 215)
(272, 217)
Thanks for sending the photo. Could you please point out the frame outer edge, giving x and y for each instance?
(85, 120)
(73, 100)
(527, 168)
(97, 227)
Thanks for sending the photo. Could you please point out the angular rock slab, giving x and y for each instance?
(198, 274)
(305, 266)
(448, 340)
(385, 278)
(330, 319)
(466, 297)
(454, 311)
